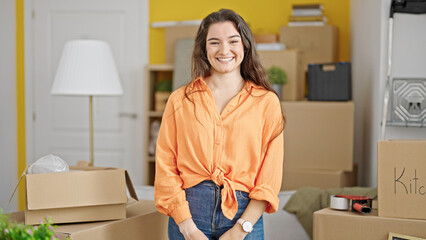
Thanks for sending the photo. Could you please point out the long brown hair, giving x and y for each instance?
(251, 69)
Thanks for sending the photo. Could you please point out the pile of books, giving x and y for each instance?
(307, 15)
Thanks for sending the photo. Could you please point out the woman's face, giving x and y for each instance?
(225, 49)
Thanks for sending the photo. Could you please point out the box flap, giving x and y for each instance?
(74, 189)
(129, 183)
(17, 185)
(130, 187)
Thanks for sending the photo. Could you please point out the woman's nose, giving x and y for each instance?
(224, 48)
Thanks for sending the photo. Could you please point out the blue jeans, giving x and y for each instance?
(205, 205)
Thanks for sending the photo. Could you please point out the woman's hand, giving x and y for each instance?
(235, 233)
(190, 231)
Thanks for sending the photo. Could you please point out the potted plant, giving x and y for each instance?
(277, 77)
(18, 231)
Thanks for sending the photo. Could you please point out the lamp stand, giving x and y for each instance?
(91, 129)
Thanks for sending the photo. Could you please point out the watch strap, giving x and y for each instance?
(240, 221)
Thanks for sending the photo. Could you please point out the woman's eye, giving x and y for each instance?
(214, 43)
(235, 41)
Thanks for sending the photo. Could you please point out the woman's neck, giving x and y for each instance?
(228, 81)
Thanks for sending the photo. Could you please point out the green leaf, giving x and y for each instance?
(164, 86)
(19, 231)
(276, 75)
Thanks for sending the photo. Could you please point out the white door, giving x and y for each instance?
(61, 123)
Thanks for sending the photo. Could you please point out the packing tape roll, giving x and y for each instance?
(339, 203)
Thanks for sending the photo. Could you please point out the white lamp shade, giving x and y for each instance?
(86, 67)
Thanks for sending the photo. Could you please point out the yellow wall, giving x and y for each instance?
(262, 16)
(20, 97)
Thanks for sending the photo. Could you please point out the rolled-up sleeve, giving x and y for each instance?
(170, 197)
(269, 176)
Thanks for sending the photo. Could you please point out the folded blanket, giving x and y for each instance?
(307, 200)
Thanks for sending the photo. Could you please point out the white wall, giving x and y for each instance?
(408, 61)
(369, 56)
(8, 154)
(365, 57)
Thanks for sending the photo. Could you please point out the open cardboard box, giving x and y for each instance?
(142, 222)
(81, 195)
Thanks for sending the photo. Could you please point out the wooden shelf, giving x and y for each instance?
(160, 67)
(154, 73)
(155, 113)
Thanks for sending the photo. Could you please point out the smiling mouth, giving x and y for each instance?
(225, 60)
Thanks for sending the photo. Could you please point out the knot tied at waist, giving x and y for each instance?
(229, 198)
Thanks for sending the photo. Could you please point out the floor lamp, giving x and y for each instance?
(87, 68)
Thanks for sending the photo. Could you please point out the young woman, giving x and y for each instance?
(220, 148)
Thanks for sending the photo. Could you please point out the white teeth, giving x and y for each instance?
(225, 59)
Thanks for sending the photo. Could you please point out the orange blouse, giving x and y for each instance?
(241, 148)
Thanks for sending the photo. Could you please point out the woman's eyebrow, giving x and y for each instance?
(213, 39)
(217, 39)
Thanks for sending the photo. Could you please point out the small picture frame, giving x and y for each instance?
(396, 236)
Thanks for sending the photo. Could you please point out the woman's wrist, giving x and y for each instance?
(238, 229)
(187, 226)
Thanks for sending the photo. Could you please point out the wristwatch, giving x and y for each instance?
(246, 225)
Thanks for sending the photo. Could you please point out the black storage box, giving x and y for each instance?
(329, 82)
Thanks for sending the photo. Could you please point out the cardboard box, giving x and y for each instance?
(319, 135)
(318, 44)
(401, 178)
(337, 225)
(174, 33)
(265, 38)
(142, 222)
(288, 60)
(294, 179)
(84, 194)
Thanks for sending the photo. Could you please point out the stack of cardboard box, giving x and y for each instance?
(401, 197)
(90, 203)
(318, 135)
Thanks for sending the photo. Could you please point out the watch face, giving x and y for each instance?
(247, 227)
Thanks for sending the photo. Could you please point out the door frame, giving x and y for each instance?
(29, 68)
